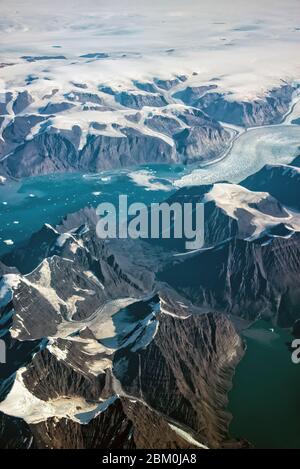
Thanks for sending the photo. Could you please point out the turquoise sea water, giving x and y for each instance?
(25, 206)
(266, 387)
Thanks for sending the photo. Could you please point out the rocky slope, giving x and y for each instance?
(101, 129)
(92, 130)
(249, 265)
(70, 387)
(125, 424)
(232, 211)
(14, 433)
(281, 181)
(70, 276)
(185, 349)
(109, 341)
(249, 279)
(90, 348)
(268, 109)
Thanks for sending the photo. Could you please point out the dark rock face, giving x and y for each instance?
(296, 329)
(218, 225)
(123, 425)
(161, 379)
(66, 279)
(52, 152)
(107, 90)
(145, 86)
(35, 58)
(95, 55)
(110, 430)
(270, 206)
(296, 121)
(192, 94)
(4, 269)
(281, 181)
(72, 135)
(201, 144)
(138, 101)
(14, 433)
(46, 153)
(72, 377)
(268, 110)
(17, 130)
(249, 279)
(38, 247)
(150, 361)
(151, 430)
(18, 353)
(4, 102)
(86, 251)
(84, 97)
(245, 221)
(165, 125)
(103, 152)
(53, 108)
(296, 162)
(196, 118)
(181, 133)
(166, 84)
(82, 86)
(173, 373)
(22, 101)
(78, 278)
(196, 136)
(138, 344)
(164, 382)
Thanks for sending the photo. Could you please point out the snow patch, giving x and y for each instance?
(187, 437)
(148, 180)
(8, 283)
(8, 242)
(86, 417)
(21, 403)
(231, 197)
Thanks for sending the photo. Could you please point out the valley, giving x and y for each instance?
(128, 342)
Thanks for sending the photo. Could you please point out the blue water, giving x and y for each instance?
(25, 206)
(264, 400)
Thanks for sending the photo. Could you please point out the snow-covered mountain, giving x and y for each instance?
(82, 130)
(92, 91)
(77, 129)
(132, 335)
(130, 343)
(89, 356)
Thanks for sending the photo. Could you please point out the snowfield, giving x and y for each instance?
(93, 43)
